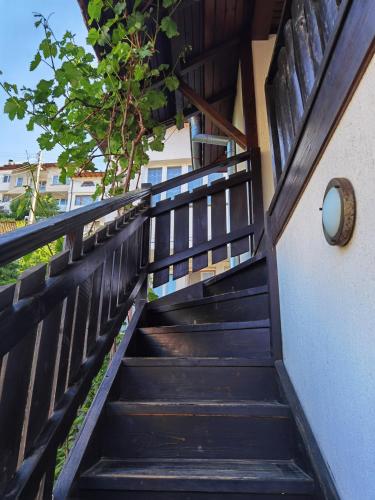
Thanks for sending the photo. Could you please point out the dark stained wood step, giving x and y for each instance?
(216, 339)
(211, 430)
(219, 476)
(229, 379)
(248, 274)
(245, 305)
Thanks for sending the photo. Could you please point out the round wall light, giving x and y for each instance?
(338, 211)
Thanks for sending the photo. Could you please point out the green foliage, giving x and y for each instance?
(151, 295)
(101, 110)
(46, 205)
(9, 273)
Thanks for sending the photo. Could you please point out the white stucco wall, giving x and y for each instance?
(327, 299)
(262, 53)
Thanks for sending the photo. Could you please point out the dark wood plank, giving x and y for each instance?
(14, 397)
(320, 467)
(200, 230)
(181, 239)
(296, 101)
(219, 50)
(187, 197)
(248, 93)
(208, 110)
(95, 309)
(196, 174)
(31, 471)
(17, 243)
(331, 97)
(304, 57)
(80, 329)
(162, 246)
(239, 217)
(69, 473)
(256, 197)
(202, 248)
(262, 19)
(218, 222)
(315, 36)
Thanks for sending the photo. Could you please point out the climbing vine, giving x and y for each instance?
(101, 110)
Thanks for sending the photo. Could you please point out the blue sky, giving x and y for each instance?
(19, 40)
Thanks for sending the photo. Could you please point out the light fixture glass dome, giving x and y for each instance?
(332, 212)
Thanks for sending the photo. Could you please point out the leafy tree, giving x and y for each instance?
(9, 273)
(105, 109)
(46, 205)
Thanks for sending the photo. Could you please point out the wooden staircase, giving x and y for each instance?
(194, 409)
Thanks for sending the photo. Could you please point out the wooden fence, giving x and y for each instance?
(306, 37)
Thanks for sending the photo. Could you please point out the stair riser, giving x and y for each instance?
(225, 383)
(246, 308)
(183, 495)
(253, 276)
(196, 436)
(214, 343)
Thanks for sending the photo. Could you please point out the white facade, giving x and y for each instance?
(328, 307)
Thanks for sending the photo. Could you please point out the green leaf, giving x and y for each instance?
(119, 8)
(168, 3)
(48, 49)
(169, 27)
(36, 61)
(135, 22)
(15, 107)
(156, 99)
(93, 36)
(172, 83)
(179, 120)
(139, 72)
(94, 9)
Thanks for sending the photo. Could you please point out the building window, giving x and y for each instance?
(62, 203)
(194, 184)
(154, 176)
(88, 184)
(6, 178)
(42, 186)
(56, 181)
(6, 197)
(173, 172)
(83, 200)
(19, 182)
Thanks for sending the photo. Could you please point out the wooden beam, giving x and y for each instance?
(228, 93)
(248, 94)
(197, 61)
(222, 123)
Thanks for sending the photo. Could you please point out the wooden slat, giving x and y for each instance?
(13, 414)
(256, 197)
(238, 210)
(215, 187)
(181, 239)
(218, 223)
(95, 310)
(200, 230)
(327, 14)
(304, 59)
(80, 329)
(162, 246)
(196, 174)
(202, 248)
(296, 101)
(214, 52)
(315, 36)
(115, 281)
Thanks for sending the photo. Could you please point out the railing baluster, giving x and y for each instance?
(200, 229)
(238, 209)
(219, 222)
(15, 393)
(181, 238)
(162, 245)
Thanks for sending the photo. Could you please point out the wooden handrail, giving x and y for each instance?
(20, 242)
(196, 174)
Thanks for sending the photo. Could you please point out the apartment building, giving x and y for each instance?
(75, 192)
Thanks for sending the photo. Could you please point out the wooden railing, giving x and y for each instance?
(305, 40)
(56, 325)
(59, 320)
(230, 208)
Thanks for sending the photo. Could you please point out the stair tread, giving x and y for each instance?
(235, 269)
(278, 476)
(259, 290)
(244, 408)
(257, 360)
(200, 327)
